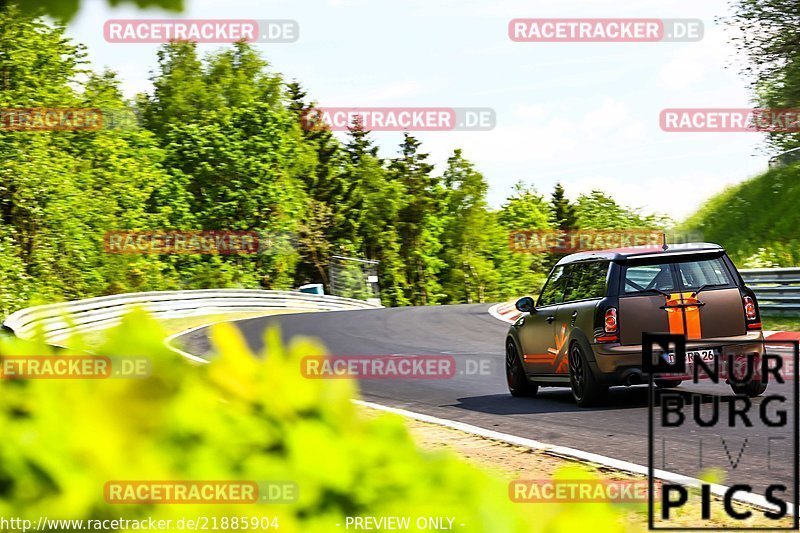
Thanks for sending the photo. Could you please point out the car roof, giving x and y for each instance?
(641, 252)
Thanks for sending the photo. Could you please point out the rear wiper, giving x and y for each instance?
(659, 291)
(704, 287)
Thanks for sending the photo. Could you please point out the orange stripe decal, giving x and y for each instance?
(692, 317)
(555, 357)
(538, 358)
(675, 314)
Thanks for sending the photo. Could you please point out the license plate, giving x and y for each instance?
(704, 355)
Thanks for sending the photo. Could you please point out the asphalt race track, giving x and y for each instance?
(617, 429)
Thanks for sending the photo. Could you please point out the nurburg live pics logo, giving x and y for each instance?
(665, 355)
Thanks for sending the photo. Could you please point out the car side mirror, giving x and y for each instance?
(525, 304)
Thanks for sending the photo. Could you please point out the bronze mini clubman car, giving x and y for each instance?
(585, 330)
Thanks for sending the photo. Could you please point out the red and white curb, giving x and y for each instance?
(506, 312)
(572, 453)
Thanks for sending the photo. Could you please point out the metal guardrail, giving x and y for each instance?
(777, 289)
(785, 158)
(59, 321)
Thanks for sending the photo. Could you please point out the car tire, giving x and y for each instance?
(518, 384)
(752, 389)
(667, 383)
(586, 390)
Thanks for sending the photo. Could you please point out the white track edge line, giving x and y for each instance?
(187, 355)
(191, 357)
(572, 453)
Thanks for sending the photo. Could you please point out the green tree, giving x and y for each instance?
(314, 245)
(468, 238)
(416, 226)
(60, 191)
(236, 155)
(767, 33)
(373, 201)
(324, 177)
(179, 91)
(525, 209)
(523, 273)
(599, 211)
(563, 210)
(67, 9)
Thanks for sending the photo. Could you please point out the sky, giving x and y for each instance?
(584, 114)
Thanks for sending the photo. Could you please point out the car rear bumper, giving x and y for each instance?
(616, 364)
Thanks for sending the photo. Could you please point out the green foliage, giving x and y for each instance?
(61, 191)
(563, 210)
(417, 228)
(220, 146)
(756, 220)
(67, 9)
(237, 418)
(766, 32)
(14, 280)
(526, 209)
(466, 232)
(598, 211)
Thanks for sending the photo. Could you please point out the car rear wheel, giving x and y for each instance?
(752, 389)
(585, 388)
(667, 383)
(518, 384)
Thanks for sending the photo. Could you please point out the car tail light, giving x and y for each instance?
(610, 321)
(750, 313)
(749, 308)
(610, 327)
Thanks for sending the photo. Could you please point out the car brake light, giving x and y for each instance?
(610, 322)
(607, 338)
(609, 327)
(749, 308)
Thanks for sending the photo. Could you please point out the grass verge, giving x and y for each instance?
(781, 323)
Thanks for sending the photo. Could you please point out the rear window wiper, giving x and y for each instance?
(658, 291)
(705, 286)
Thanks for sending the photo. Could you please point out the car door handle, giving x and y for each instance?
(550, 319)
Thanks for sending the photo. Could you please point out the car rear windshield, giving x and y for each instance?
(677, 275)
